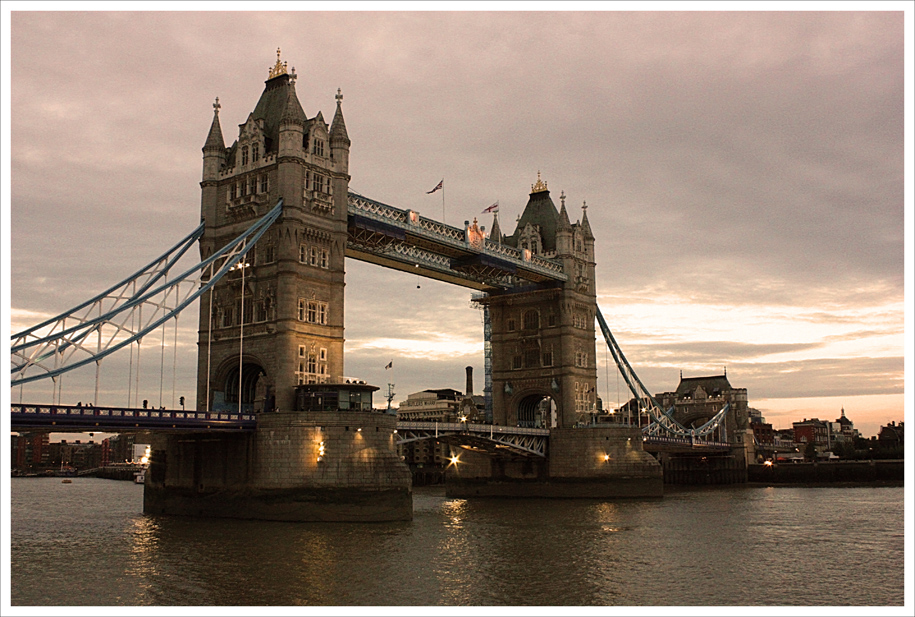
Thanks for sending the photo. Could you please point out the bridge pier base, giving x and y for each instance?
(297, 466)
(594, 462)
(703, 469)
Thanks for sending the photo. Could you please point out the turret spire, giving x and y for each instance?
(215, 141)
(585, 225)
(338, 126)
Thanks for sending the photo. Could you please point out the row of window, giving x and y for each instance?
(583, 400)
(531, 358)
(314, 256)
(318, 183)
(530, 321)
(312, 367)
(254, 312)
(312, 311)
(251, 185)
(255, 153)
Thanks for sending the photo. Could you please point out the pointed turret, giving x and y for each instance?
(585, 225)
(495, 234)
(339, 140)
(214, 150)
(338, 126)
(293, 111)
(563, 228)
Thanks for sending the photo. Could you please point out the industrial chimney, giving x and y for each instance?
(469, 381)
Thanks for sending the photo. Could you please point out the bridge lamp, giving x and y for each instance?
(606, 458)
(320, 451)
(455, 459)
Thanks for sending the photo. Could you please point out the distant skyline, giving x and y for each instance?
(743, 172)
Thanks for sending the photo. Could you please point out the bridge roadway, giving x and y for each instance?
(492, 438)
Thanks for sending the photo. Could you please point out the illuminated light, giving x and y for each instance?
(359, 430)
(454, 460)
(606, 457)
(768, 463)
(463, 418)
(395, 431)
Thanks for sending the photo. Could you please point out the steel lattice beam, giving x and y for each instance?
(128, 311)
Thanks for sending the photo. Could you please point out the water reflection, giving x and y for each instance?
(709, 547)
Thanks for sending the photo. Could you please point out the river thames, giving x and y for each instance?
(89, 544)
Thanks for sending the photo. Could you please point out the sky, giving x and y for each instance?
(743, 171)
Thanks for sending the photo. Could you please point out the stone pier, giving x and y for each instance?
(594, 462)
(297, 466)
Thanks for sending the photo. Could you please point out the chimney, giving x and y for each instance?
(469, 381)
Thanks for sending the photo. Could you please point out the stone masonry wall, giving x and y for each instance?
(288, 448)
(580, 453)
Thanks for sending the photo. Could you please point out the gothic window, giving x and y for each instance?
(268, 254)
(303, 254)
(235, 191)
(531, 320)
(319, 183)
(324, 258)
(312, 364)
(548, 358)
(301, 314)
(312, 315)
(261, 313)
(252, 185)
(264, 184)
(301, 351)
(244, 155)
(516, 362)
(314, 256)
(551, 320)
(510, 326)
(318, 147)
(228, 317)
(255, 152)
(322, 313)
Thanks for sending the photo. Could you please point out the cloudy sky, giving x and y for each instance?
(743, 173)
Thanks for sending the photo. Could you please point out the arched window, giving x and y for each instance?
(255, 152)
(244, 155)
(531, 320)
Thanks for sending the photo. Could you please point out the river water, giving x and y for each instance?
(89, 544)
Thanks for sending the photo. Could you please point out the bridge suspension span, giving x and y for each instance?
(127, 311)
(662, 422)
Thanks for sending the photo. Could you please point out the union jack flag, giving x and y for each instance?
(438, 186)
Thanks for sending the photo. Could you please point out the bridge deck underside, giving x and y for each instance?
(405, 247)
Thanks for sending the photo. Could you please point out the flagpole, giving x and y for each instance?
(443, 201)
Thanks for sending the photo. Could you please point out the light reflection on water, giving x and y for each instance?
(88, 543)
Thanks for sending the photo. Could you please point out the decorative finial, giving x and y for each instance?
(279, 68)
(562, 198)
(216, 106)
(540, 186)
(339, 96)
(584, 205)
(292, 76)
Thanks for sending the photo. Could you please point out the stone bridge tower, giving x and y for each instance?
(544, 370)
(278, 321)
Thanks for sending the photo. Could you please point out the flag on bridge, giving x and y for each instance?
(492, 208)
(438, 186)
(390, 365)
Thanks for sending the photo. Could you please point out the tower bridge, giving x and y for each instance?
(278, 221)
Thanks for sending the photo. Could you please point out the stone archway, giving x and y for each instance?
(536, 411)
(255, 387)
